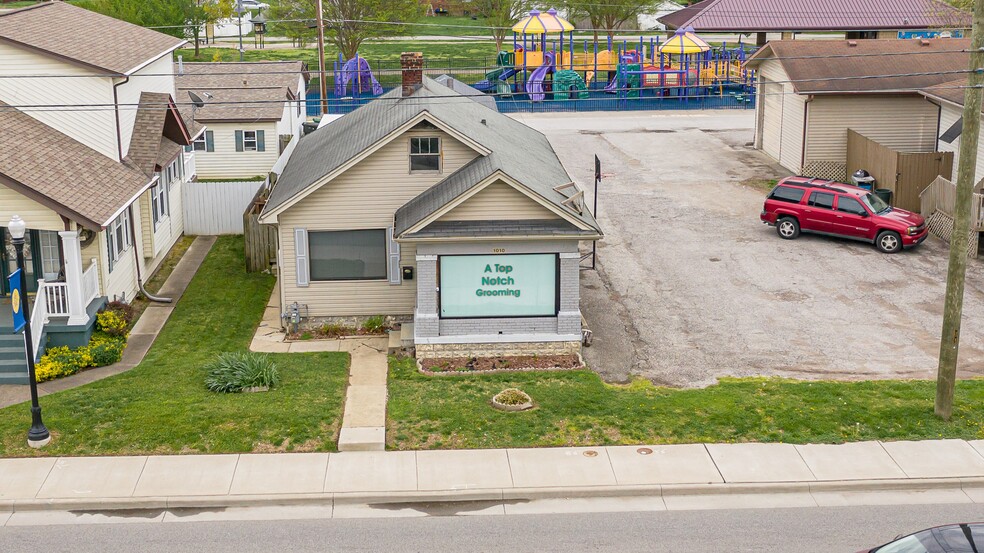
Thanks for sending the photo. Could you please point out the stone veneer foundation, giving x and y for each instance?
(499, 349)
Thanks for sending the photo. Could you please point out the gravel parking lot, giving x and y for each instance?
(692, 287)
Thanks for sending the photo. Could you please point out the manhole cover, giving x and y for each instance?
(644, 451)
(590, 453)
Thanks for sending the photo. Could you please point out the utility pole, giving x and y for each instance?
(321, 58)
(957, 270)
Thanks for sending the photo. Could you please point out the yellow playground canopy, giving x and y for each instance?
(537, 23)
(683, 42)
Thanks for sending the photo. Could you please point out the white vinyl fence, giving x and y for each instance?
(216, 207)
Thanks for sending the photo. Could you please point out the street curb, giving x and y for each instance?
(491, 494)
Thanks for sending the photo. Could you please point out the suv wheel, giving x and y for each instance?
(788, 228)
(888, 241)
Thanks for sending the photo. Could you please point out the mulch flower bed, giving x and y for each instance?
(455, 365)
(334, 334)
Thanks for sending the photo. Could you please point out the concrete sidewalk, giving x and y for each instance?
(141, 337)
(697, 476)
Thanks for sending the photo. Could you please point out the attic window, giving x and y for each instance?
(425, 154)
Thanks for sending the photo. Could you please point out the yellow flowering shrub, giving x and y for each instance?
(112, 323)
(101, 350)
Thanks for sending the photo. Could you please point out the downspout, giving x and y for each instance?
(136, 261)
(116, 109)
(806, 123)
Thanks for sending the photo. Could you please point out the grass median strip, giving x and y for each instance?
(575, 408)
(162, 405)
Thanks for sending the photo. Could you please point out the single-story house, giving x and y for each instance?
(429, 208)
(253, 110)
(809, 93)
(857, 20)
(950, 98)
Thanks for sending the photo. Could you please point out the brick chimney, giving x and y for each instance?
(412, 65)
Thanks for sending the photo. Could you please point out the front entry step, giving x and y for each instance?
(13, 360)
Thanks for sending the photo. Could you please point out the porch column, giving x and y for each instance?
(73, 277)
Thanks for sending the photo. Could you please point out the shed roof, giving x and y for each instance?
(61, 173)
(84, 37)
(518, 151)
(866, 66)
(816, 15)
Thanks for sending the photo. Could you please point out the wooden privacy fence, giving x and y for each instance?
(906, 174)
(261, 240)
(937, 205)
(217, 207)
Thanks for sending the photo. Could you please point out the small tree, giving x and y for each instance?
(350, 22)
(294, 19)
(501, 15)
(610, 15)
(199, 13)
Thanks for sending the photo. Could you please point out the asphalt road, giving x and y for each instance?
(819, 530)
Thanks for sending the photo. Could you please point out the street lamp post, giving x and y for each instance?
(38, 435)
(239, 11)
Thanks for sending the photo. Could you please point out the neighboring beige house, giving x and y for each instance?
(99, 187)
(253, 111)
(950, 99)
(430, 208)
(809, 93)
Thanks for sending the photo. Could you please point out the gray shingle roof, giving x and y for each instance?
(531, 227)
(61, 173)
(248, 91)
(469, 91)
(518, 151)
(157, 132)
(73, 33)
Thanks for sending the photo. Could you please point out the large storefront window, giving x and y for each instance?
(520, 285)
(348, 255)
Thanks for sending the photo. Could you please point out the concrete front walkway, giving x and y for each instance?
(141, 337)
(669, 477)
(364, 420)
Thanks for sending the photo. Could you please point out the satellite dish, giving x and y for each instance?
(196, 100)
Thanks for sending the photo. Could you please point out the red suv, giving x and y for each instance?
(802, 204)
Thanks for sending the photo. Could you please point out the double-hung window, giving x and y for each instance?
(348, 255)
(158, 202)
(118, 238)
(249, 141)
(200, 144)
(425, 154)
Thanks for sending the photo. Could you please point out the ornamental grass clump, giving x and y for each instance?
(234, 372)
(512, 396)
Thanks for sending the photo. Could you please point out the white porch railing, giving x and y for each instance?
(39, 317)
(56, 298)
(90, 283)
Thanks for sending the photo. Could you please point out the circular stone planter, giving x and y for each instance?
(528, 404)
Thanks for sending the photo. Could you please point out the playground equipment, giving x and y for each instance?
(498, 78)
(357, 72)
(535, 84)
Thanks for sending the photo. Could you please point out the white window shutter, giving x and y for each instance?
(395, 273)
(302, 267)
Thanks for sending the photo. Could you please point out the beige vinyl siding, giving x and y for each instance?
(168, 230)
(364, 197)
(34, 214)
(904, 123)
(94, 128)
(949, 115)
(498, 201)
(122, 281)
(155, 77)
(769, 103)
(226, 163)
(793, 119)
(780, 125)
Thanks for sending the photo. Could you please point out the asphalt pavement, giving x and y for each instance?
(818, 530)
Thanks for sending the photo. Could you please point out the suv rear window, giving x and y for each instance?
(787, 194)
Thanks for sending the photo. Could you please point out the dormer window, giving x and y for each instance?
(425, 154)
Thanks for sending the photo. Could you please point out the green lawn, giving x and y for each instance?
(576, 408)
(162, 407)
(385, 53)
